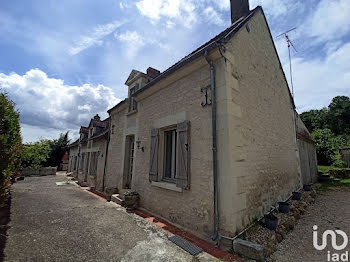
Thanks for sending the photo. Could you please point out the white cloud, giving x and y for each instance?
(222, 4)
(213, 16)
(48, 103)
(317, 80)
(170, 24)
(275, 8)
(181, 10)
(330, 20)
(94, 37)
(133, 42)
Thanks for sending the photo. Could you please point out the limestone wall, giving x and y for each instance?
(44, 171)
(174, 101)
(257, 151)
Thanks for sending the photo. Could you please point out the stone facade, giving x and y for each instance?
(257, 151)
(87, 155)
(160, 137)
(176, 101)
(258, 161)
(307, 153)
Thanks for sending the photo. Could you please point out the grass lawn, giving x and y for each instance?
(345, 181)
(325, 169)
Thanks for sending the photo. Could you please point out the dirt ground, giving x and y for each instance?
(331, 211)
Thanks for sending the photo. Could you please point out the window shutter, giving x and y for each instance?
(183, 155)
(153, 170)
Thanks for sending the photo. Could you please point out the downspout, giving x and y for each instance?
(106, 154)
(214, 146)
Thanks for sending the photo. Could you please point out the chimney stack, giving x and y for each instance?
(239, 8)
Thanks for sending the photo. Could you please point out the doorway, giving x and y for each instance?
(129, 160)
(87, 167)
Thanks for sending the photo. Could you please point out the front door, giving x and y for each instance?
(87, 167)
(130, 160)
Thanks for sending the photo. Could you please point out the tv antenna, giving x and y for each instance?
(290, 44)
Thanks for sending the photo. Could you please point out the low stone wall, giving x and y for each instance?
(44, 171)
(340, 173)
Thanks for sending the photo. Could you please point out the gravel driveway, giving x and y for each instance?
(65, 223)
(330, 211)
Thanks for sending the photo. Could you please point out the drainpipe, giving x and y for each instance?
(106, 154)
(214, 146)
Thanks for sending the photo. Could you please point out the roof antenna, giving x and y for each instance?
(290, 44)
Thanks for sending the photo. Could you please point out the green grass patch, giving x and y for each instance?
(325, 169)
(344, 183)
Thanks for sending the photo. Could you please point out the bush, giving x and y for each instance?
(34, 155)
(328, 145)
(44, 153)
(10, 137)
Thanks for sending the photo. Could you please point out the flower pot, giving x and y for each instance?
(296, 196)
(271, 221)
(307, 187)
(283, 207)
(131, 200)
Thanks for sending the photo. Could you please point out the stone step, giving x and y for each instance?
(117, 198)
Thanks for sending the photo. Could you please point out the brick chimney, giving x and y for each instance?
(97, 117)
(153, 73)
(239, 8)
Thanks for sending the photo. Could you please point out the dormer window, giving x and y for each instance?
(133, 103)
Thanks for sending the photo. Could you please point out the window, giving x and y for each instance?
(173, 153)
(133, 103)
(170, 143)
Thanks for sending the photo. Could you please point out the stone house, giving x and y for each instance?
(87, 154)
(210, 144)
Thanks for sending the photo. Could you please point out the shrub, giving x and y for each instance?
(10, 137)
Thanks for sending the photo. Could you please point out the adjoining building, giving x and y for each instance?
(87, 154)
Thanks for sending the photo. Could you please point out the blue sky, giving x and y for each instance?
(64, 61)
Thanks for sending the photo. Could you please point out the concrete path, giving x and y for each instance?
(331, 211)
(65, 223)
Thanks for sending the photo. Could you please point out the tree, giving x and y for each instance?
(339, 113)
(10, 137)
(316, 119)
(57, 149)
(328, 145)
(323, 139)
(335, 117)
(35, 155)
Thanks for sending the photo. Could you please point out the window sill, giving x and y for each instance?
(166, 185)
(131, 112)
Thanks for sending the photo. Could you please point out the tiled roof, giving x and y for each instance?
(75, 143)
(210, 45)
